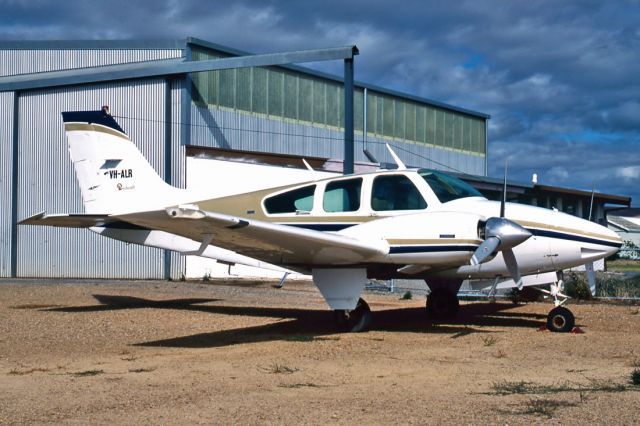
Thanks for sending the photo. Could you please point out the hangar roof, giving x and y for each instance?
(137, 70)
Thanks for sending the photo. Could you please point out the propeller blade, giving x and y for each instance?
(485, 250)
(512, 267)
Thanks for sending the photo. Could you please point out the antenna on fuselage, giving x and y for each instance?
(307, 165)
(593, 192)
(504, 189)
(395, 157)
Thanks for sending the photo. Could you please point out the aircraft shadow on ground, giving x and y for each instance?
(308, 324)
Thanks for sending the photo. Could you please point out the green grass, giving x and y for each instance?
(623, 265)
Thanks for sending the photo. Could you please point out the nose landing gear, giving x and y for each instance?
(560, 319)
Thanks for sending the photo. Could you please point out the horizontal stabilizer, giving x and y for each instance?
(67, 220)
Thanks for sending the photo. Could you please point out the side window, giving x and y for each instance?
(298, 200)
(342, 196)
(395, 192)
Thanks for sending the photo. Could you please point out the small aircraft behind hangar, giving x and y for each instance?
(343, 230)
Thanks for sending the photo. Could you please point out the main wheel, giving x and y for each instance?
(560, 320)
(442, 303)
(356, 320)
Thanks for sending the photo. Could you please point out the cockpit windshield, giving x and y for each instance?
(446, 187)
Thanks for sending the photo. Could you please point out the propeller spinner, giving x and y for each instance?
(503, 235)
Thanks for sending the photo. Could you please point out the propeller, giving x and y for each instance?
(502, 234)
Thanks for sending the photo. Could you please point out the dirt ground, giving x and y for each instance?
(106, 352)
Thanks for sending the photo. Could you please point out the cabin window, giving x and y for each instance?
(395, 192)
(342, 196)
(296, 201)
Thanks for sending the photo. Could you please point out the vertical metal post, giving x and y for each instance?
(348, 165)
(486, 146)
(168, 159)
(364, 119)
(185, 108)
(14, 187)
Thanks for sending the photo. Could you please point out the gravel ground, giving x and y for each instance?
(105, 352)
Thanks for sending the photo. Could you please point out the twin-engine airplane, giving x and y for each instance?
(344, 230)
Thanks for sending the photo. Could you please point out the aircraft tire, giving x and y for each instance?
(442, 303)
(356, 320)
(560, 320)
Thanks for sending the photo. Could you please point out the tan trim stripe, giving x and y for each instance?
(69, 127)
(546, 227)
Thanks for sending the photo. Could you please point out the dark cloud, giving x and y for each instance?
(558, 78)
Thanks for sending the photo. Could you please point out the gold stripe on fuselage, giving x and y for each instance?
(69, 127)
(547, 227)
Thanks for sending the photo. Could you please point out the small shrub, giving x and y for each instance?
(489, 340)
(635, 377)
(407, 296)
(545, 407)
(277, 368)
(577, 287)
(206, 278)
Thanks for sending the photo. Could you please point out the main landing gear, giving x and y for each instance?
(442, 303)
(355, 320)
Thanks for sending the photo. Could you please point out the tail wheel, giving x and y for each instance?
(442, 303)
(560, 320)
(355, 320)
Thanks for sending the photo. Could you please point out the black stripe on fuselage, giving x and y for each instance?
(429, 249)
(564, 236)
(321, 226)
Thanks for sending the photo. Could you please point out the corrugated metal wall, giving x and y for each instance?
(46, 180)
(221, 128)
(14, 62)
(6, 179)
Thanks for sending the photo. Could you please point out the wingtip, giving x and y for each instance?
(33, 219)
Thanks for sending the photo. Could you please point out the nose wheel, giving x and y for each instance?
(560, 320)
(356, 320)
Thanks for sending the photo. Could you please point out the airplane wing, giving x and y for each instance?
(109, 226)
(271, 242)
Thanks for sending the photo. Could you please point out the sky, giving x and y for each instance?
(560, 79)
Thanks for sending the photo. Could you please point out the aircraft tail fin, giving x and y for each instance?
(113, 175)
